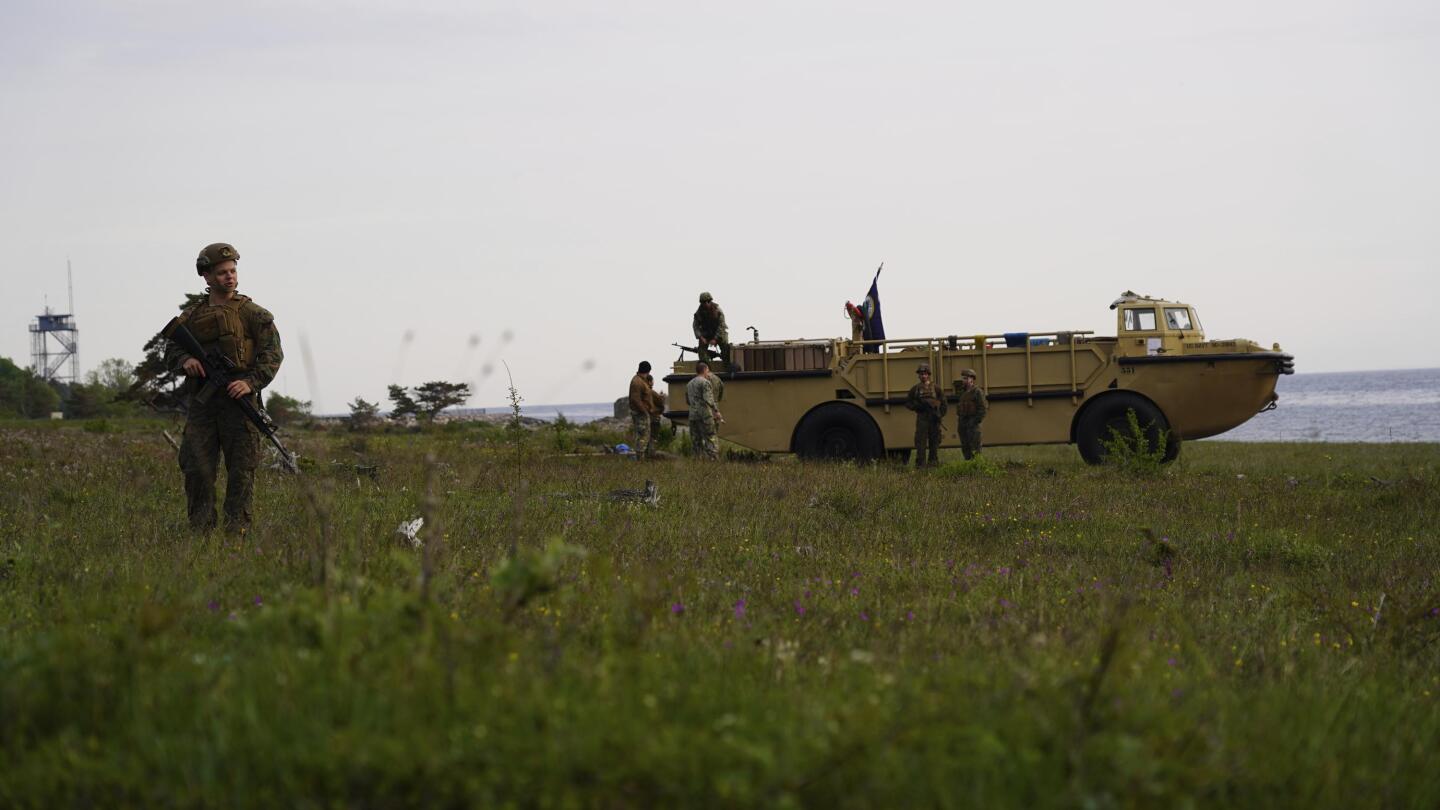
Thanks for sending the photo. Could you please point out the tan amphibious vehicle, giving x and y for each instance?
(845, 398)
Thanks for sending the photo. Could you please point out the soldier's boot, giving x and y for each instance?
(200, 501)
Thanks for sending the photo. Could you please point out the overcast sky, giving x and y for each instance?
(574, 174)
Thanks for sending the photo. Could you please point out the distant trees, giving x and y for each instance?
(401, 403)
(114, 374)
(24, 394)
(103, 392)
(428, 400)
(285, 410)
(363, 414)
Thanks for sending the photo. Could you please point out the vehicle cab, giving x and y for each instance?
(1154, 326)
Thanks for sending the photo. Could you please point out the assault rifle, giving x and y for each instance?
(219, 373)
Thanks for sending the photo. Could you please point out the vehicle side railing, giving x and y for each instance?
(983, 345)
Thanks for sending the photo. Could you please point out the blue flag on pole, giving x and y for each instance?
(874, 324)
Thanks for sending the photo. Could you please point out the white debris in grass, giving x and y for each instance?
(410, 530)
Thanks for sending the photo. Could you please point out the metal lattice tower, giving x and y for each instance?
(54, 347)
(55, 342)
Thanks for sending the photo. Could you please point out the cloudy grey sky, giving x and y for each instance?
(573, 174)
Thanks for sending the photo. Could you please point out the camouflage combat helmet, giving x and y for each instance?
(967, 372)
(923, 369)
(215, 254)
(706, 298)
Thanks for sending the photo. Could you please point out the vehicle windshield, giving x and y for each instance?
(1140, 320)
(1177, 318)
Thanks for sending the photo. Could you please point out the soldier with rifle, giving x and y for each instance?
(710, 329)
(228, 348)
(928, 402)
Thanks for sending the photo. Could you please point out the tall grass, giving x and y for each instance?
(1256, 625)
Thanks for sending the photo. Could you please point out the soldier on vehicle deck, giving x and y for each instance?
(710, 329)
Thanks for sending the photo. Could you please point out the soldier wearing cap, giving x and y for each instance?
(710, 329)
(704, 415)
(235, 327)
(928, 402)
(970, 410)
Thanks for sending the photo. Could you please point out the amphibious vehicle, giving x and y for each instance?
(841, 398)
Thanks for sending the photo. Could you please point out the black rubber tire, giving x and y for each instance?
(838, 432)
(1096, 423)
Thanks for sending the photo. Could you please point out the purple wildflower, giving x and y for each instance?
(864, 617)
(1172, 662)
(214, 606)
(740, 609)
(677, 608)
(258, 603)
(799, 608)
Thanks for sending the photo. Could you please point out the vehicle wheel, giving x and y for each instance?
(839, 432)
(1108, 418)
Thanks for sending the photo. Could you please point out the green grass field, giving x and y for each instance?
(1257, 625)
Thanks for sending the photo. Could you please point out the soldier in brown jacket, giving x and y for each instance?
(642, 410)
(657, 398)
(243, 331)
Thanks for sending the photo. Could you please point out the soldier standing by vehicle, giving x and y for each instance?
(237, 328)
(710, 329)
(704, 414)
(928, 403)
(657, 400)
(970, 411)
(642, 406)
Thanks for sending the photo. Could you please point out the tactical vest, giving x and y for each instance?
(223, 329)
(709, 317)
(930, 394)
(969, 404)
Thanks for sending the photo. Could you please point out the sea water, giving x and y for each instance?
(1350, 406)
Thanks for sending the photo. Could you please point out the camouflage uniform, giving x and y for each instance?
(970, 411)
(657, 400)
(709, 325)
(245, 332)
(700, 399)
(641, 407)
(928, 402)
